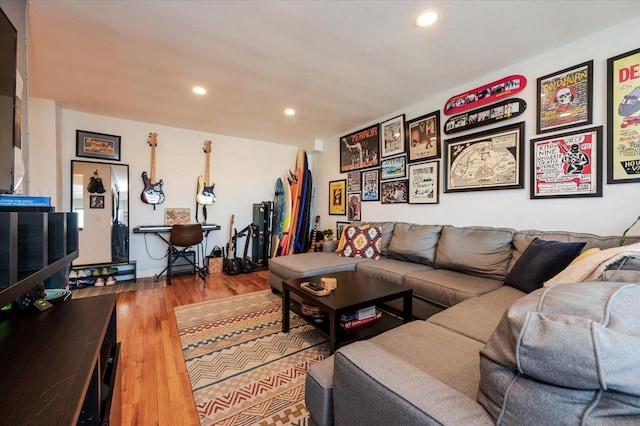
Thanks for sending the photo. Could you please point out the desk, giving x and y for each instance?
(158, 230)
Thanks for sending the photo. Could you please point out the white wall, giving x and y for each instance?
(243, 170)
(609, 215)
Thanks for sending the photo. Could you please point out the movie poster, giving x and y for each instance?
(567, 165)
(624, 118)
(565, 98)
(360, 149)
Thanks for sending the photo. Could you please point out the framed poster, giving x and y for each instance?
(394, 168)
(96, 201)
(424, 183)
(354, 205)
(359, 150)
(337, 196)
(394, 191)
(371, 185)
(424, 137)
(340, 227)
(392, 137)
(97, 145)
(177, 216)
(567, 165)
(623, 118)
(565, 98)
(353, 181)
(487, 160)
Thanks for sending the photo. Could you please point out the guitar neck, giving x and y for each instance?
(153, 164)
(206, 174)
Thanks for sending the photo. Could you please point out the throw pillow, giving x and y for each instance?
(360, 242)
(541, 261)
(343, 238)
(584, 254)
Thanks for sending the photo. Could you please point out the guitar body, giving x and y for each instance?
(205, 194)
(152, 192)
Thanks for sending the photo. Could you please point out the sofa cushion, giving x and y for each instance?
(446, 288)
(361, 242)
(478, 317)
(308, 264)
(448, 356)
(390, 269)
(342, 239)
(541, 261)
(477, 250)
(318, 396)
(414, 243)
(522, 239)
(573, 349)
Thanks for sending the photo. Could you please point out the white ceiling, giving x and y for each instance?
(338, 63)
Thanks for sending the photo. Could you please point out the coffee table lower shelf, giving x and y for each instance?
(345, 336)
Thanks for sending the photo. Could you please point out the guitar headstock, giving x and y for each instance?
(153, 139)
(207, 147)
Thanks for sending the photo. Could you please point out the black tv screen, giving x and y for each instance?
(8, 50)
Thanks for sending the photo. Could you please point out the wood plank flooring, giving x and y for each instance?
(155, 385)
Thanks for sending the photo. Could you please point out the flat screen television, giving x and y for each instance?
(8, 51)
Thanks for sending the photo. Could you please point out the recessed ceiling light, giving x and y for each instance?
(199, 90)
(427, 18)
(290, 111)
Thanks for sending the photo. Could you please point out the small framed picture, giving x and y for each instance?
(97, 145)
(354, 205)
(567, 165)
(424, 183)
(353, 181)
(177, 216)
(394, 168)
(394, 191)
(565, 98)
(392, 132)
(96, 201)
(371, 185)
(340, 227)
(337, 197)
(424, 137)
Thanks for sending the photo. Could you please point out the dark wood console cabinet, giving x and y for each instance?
(60, 366)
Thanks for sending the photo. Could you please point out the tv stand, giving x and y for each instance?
(60, 366)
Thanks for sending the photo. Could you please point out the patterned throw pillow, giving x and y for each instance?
(361, 242)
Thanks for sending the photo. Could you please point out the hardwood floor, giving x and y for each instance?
(155, 385)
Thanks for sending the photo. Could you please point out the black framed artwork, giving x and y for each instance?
(97, 145)
(424, 137)
(424, 183)
(360, 150)
(567, 165)
(623, 104)
(371, 185)
(492, 159)
(393, 168)
(393, 139)
(565, 98)
(337, 197)
(394, 191)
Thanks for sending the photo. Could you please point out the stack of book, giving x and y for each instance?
(359, 317)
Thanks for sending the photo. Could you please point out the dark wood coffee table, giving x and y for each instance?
(355, 291)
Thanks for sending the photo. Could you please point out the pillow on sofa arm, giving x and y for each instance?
(541, 261)
(361, 242)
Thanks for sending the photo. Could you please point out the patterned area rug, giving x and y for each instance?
(243, 369)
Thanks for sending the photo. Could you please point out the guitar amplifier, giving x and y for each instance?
(181, 265)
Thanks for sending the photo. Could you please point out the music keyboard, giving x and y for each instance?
(167, 228)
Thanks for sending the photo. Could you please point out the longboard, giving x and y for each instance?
(490, 114)
(303, 217)
(492, 92)
(286, 217)
(296, 193)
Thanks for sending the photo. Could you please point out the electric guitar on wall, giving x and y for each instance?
(152, 192)
(205, 195)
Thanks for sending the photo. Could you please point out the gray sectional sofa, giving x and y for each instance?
(427, 371)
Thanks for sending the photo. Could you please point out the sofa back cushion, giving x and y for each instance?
(566, 354)
(522, 239)
(414, 243)
(476, 250)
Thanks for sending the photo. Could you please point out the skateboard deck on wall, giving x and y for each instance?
(490, 114)
(483, 95)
